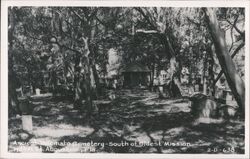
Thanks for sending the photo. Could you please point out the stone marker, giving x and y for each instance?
(27, 122)
(26, 109)
(38, 91)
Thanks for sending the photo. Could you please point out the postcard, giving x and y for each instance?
(124, 79)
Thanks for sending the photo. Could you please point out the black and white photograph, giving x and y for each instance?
(120, 79)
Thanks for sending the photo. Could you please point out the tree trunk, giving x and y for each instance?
(77, 83)
(211, 89)
(88, 78)
(232, 56)
(13, 101)
(97, 82)
(93, 82)
(175, 85)
(235, 83)
(204, 74)
(151, 85)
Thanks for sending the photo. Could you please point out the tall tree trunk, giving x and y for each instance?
(13, 101)
(77, 83)
(152, 77)
(176, 89)
(204, 74)
(235, 83)
(175, 69)
(97, 82)
(88, 78)
(211, 89)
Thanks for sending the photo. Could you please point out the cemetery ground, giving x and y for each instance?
(136, 121)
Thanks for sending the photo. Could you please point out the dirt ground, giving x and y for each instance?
(135, 122)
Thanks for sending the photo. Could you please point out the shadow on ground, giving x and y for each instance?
(136, 122)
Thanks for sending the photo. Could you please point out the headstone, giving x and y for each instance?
(37, 91)
(202, 106)
(219, 93)
(229, 96)
(27, 122)
(230, 99)
(161, 88)
(196, 88)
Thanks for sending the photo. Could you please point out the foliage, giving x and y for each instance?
(54, 40)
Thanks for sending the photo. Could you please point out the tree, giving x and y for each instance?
(72, 44)
(158, 24)
(12, 76)
(232, 17)
(235, 82)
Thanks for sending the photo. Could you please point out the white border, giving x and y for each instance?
(114, 3)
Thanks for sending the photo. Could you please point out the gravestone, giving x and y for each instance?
(26, 109)
(27, 123)
(209, 109)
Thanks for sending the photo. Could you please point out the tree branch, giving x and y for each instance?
(101, 22)
(78, 16)
(163, 36)
(232, 56)
(192, 21)
(147, 31)
(235, 27)
(94, 13)
(232, 44)
(146, 17)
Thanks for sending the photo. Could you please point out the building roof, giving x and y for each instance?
(135, 67)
